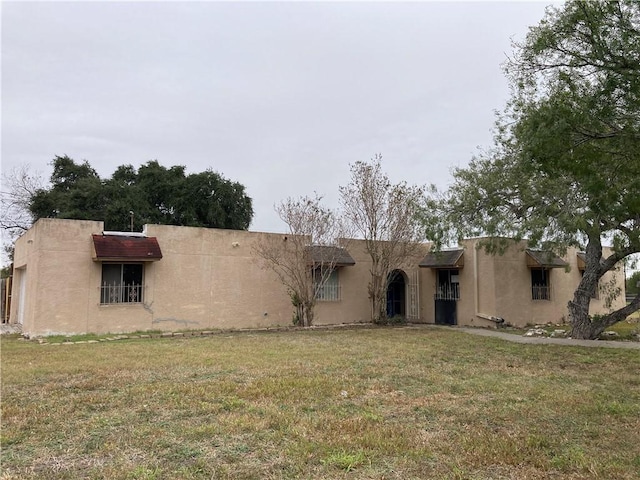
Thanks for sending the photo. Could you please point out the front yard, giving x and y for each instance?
(361, 403)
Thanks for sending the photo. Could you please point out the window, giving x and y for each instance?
(326, 285)
(121, 283)
(448, 287)
(540, 285)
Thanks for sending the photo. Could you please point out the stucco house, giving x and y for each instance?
(70, 276)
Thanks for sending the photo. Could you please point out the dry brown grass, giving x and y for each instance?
(370, 403)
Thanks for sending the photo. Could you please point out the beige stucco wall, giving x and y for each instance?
(355, 305)
(211, 278)
(427, 289)
(53, 255)
(503, 286)
(206, 279)
(221, 282)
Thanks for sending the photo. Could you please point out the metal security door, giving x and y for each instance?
(446, 312)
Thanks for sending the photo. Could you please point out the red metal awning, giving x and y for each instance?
(123, 248)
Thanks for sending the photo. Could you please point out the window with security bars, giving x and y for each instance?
(121, 283)
(540, 284)
(327, 286)
(448, 285)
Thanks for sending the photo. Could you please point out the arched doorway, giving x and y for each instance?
(396, 294)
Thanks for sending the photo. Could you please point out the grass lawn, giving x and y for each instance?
(373, 403)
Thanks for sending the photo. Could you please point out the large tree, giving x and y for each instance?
(304, 258)
(150, 194)
(76, 192)
(385, 215)
(565, 166)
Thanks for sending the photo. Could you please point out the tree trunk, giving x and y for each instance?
(592, 327)
(307, 318)
(299, 319)
(378, 295)
(378, 314)
(379, 305)
(582, 325)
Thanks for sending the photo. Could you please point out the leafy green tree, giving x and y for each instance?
(150, 194)
(76, 192)
(161, 188)
(208, 198)
(125, 196)
(565, 163)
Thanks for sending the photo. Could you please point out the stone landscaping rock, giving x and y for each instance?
(535, 332)
(558, 333)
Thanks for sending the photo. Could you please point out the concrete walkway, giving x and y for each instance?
(546, 340)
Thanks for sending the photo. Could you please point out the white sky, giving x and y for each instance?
(280, 97)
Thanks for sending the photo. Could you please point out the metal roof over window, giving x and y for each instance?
(123, 248)
(338, 256)
(443, 259)
(544, 259)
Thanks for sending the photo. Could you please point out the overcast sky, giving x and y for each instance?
(280, 97)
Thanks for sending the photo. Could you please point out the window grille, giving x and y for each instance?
(540, 284)
(448, 286)
(413, 312)
(329, 290)
(118, 293)
(541, 292)
(450, 291)
(121, 283)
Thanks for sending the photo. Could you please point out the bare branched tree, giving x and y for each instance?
(305, 257)
(386, 217)
(18, 188)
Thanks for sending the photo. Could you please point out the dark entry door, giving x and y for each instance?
(446, 312)
(396, 295)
